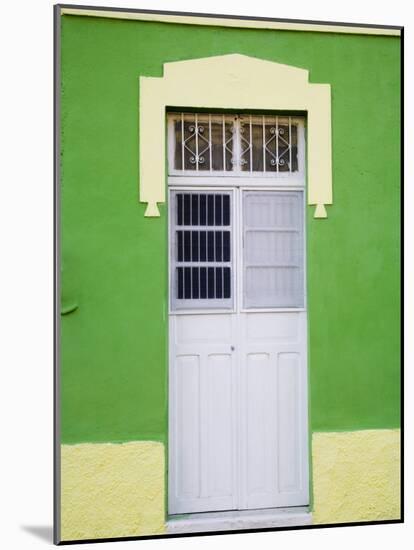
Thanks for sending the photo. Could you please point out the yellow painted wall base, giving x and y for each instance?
(112, 490)
(118, 490)
(356, 476)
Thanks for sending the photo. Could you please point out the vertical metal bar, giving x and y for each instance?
(196, 139)
(251, 145)
(223, 129)
(207, 231)
(182, 141)
(290, 145)
(222, 226)
(277, 143)
(191, 245)
(222, 245)
(214, 243)
(199, 251)
(264, 143)
(210, 141)
(182, 241)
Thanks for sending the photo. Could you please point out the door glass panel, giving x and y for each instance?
(201, 255)
(273, 249)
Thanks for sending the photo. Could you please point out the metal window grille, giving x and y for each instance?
(273, 253)
(201, 250)
(204, 144)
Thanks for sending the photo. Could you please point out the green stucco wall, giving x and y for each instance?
(114, 345)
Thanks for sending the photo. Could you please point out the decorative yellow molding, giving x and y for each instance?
(233, 82)
(233, 22)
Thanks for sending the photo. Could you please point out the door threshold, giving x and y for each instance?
(240, 519)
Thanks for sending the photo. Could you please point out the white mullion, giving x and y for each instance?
(238, 249)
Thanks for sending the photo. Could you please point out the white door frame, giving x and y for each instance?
(240, 497)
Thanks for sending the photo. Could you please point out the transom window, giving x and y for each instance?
(235, 145)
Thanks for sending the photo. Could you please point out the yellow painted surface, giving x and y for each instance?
(230, 22)
(240, 82)
(356, 476)
(112, 490)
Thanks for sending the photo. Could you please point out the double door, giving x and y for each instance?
(237, 350)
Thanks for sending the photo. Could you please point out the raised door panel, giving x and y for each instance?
(202, 414)
(273, 410)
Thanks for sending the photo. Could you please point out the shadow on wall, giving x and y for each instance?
(43, 532)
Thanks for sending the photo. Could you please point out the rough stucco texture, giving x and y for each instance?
(112, 490)
(356, 476)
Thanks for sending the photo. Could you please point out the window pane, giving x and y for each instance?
(203, 142)
(274, 287)
(200, 239)
(206, 143)
(273, 249)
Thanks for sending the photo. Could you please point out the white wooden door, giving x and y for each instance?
(237, 378)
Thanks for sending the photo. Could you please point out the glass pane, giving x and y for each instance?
(264, 210)
(226, 209)
(257, 144)
(269, 142)
(178, 162)
(273, 249)
(228, 146)
(273, 287)
(226, 282)
(294, 147)
(203, 142)
(203, 209)
(201, 226)
(218, 159)
(194, 143)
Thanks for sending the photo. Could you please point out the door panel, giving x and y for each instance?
(187, 368)
(203, 391)
(274, 407)
(288, 422)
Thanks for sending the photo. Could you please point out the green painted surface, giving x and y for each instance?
(114, 344)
